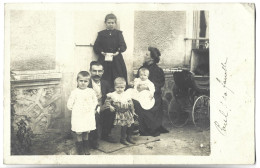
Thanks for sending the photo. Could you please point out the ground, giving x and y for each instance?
(187, 140)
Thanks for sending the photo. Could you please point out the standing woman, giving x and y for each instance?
(150, 121)
(109, 46)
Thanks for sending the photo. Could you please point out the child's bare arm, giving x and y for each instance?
(132, 108)
(108, 104)
(71, 101)
(95, 102)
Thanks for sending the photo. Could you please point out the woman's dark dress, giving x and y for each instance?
(111, 41)
(151, 120)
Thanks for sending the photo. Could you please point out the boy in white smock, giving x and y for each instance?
(83, 103)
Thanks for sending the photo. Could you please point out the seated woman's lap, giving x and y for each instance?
(149, 120)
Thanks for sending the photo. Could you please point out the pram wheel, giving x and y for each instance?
(201, 112)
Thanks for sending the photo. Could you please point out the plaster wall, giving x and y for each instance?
(165, 30)
(32, 39)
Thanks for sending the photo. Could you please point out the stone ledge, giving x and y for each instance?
(38, 76)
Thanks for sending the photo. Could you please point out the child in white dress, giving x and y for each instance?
(83, 103)
(144, 89)
(121, 103)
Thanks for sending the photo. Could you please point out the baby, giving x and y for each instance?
(144, 89)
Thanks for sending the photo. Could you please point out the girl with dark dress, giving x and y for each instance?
(150, 121)
(111, 42)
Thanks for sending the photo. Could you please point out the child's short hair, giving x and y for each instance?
(83, 74)
(110, 16)
(144, 70)
(119, 80)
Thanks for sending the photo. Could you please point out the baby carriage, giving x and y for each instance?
(192, 93)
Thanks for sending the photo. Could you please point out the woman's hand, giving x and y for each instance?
(131, 84)
(151, 96)
(115, 54)
(98, 109)
(112, 109)
(103, 53)
(142, 87)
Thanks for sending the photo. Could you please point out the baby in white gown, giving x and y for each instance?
(144, 89)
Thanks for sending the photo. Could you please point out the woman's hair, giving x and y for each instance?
(83, 74)
(119, 80)
(155, 54)
(110, 16)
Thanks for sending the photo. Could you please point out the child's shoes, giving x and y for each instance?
(79, 147)
(86, 147)
(130, 140)
(123, 142)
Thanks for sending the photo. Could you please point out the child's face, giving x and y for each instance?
(83, 81)
(119, 88)
(111, 24)
(144, 75)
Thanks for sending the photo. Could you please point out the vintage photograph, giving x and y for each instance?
(113, 80)
(168, 110)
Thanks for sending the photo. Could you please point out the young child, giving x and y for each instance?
(83, 103)
(144, 89)
(121, 103)
(109, 46)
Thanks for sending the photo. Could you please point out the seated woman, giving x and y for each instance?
(150, 121)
